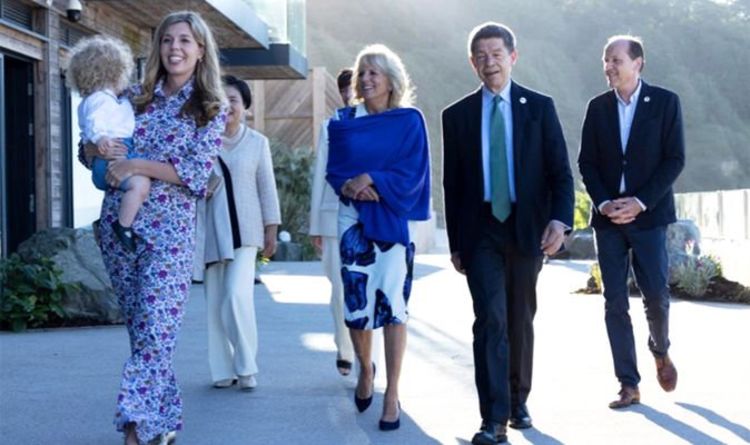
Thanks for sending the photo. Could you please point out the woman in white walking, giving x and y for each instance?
(324, 217)
(253, 210)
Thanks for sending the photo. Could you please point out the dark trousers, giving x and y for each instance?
(651, 266)
(503, 289)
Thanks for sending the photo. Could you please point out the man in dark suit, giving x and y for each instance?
(508, 200)
(632, 150)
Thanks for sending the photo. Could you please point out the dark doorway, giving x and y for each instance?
(18, 187)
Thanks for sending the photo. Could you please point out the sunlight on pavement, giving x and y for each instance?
(318, 341)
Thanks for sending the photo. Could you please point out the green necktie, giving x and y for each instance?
(499, 188)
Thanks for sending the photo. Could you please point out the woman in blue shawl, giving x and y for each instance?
(379, 165)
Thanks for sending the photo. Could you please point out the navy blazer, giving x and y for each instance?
(543, 180)
(653, 158)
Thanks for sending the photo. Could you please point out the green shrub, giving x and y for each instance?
(595, 278)
(31, 292)
(293, 171)
(582, 210)
(695, 274)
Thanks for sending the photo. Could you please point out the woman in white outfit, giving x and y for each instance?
(247, 171)
(324, 210)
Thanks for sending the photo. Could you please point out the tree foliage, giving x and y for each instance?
(697, 48)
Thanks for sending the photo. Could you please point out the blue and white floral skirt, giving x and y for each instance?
(377, 275)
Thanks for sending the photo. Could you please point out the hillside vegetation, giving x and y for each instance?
(697, 48)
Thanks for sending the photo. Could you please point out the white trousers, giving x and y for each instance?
(331, 259)
(232, 329)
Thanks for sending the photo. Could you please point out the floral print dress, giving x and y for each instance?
(152, 284)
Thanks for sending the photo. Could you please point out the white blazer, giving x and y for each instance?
(324, 202)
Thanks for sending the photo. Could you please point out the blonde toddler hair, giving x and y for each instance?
(99, 62)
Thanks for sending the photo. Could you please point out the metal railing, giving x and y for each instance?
(723, 214)
(286, 19)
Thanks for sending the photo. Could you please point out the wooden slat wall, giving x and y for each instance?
(291, 111)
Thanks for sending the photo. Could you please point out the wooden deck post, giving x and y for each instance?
(258, 88)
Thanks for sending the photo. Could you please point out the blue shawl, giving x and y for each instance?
(392, 147)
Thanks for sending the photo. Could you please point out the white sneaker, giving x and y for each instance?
(248, 382)
(224, 383)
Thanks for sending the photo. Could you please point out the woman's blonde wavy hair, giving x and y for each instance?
(99, 62)
(383, 58)
(208, 95)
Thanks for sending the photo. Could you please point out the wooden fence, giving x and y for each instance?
(291, 111)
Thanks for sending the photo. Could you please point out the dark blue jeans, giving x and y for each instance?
(99, 168)
(618, 247)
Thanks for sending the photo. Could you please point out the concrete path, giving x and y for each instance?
(58, 386)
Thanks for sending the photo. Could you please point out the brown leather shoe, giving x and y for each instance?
(628, 396)
(666, 373)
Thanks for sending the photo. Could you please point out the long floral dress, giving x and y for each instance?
(152, 284)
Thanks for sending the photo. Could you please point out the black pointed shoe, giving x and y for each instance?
(390, 426)
(363, 404)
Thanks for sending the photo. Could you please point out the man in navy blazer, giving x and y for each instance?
(632, 150)
(501, 253)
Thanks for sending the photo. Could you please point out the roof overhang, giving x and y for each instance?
(234, 22)
(279, 61)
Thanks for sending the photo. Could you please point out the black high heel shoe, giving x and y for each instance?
(363, 404)
(390, 426)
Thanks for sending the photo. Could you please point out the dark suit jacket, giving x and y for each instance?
(543, 181)
(654, 156)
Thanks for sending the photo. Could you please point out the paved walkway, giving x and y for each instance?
(58, 387)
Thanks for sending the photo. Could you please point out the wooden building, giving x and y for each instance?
(291, 112)
(259, 39)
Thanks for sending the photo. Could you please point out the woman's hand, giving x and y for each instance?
(111, 149)
(269, 240)
(368, 194)
(107, 149)
(317, 242)
(120, 170)
(357, 185)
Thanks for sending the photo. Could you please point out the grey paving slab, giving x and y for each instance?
(59, 386)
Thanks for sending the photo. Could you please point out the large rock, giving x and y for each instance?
(683, 241)
(76, 253)
(580, 245)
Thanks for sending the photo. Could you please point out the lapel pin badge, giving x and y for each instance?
(522, 100)
(647, 99)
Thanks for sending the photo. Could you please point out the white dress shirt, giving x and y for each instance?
(625, 114)
(324, 202)
(102, 114)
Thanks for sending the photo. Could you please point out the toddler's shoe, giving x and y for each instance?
(125, 235)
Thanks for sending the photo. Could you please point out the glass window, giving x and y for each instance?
(286, 20)
(87, 199)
